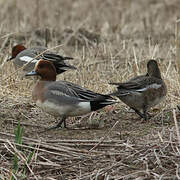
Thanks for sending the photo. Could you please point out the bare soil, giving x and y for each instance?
(111, 41)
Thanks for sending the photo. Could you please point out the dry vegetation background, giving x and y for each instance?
(111, 41)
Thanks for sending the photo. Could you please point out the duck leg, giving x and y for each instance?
(145, 113)
(139, 113)
(63, 120)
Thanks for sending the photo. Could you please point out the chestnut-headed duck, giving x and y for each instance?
(143, 92)
(62, 98)
(30, 56)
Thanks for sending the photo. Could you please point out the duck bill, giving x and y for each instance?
(32, 73)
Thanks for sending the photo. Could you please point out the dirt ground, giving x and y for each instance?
(111, 41)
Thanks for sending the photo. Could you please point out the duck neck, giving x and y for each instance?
(157, 73)
(48, 78)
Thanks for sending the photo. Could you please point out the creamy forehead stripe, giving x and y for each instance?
(27, 59)
(153, 86)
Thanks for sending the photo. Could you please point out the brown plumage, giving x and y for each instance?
(143, 92)
(62, 98)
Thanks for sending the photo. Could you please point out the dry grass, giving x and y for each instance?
(111, 42)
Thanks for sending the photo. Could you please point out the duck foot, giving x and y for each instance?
(59, 125)
(145, 115)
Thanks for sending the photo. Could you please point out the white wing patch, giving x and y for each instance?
(153, 86)
(59, 93)
(27, 59)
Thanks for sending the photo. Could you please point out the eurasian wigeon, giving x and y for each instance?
(62, 98)
(30, 56)
(143, 92)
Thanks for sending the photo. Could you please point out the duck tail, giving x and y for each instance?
(102, 101)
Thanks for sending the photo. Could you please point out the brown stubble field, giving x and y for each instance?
(111, 41)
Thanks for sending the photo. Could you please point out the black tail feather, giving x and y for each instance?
(102, 101)
(55, 57)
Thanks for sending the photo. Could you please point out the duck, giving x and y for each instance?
(21, 56)
(62, 98)
(142, 92)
